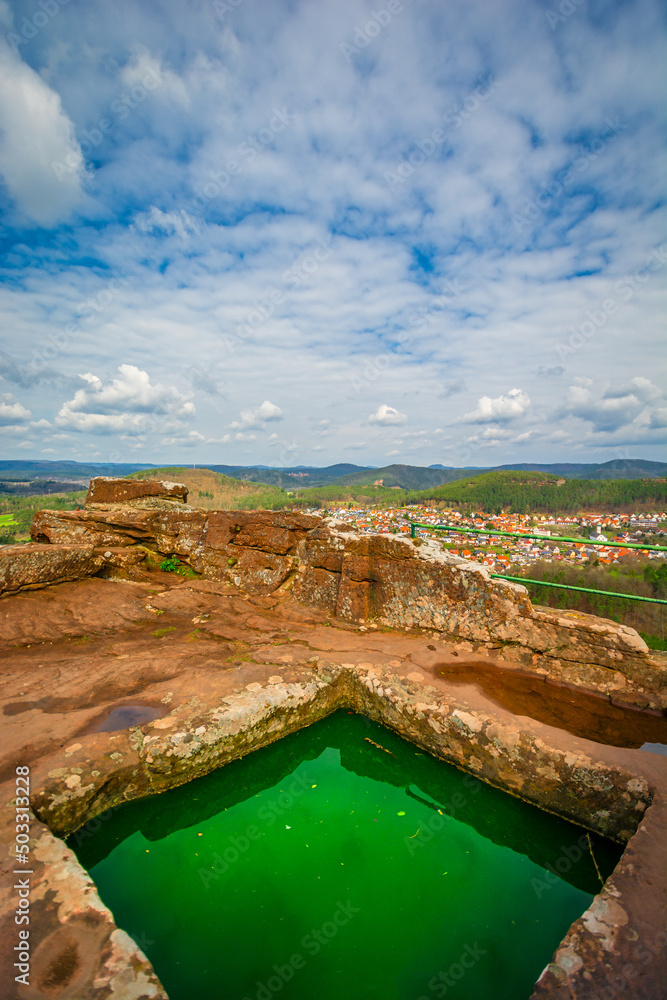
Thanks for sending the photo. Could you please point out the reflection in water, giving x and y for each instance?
(577, 713)
(321, 866)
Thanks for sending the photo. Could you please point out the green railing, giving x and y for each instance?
(542, 538)
(569, 586)
(490, 532)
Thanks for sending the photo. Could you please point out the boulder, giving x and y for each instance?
(119, 526)
(106, 490)
(24, 567)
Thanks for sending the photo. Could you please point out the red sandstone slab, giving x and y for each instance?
(104, 489)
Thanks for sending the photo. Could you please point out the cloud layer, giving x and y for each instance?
(237, 232)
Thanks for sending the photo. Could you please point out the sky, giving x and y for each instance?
(302, 232)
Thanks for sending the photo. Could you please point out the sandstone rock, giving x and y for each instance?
(279, 532)
(360, 577)
(355, 599)
(104, 489)
(258, 572)
(110, 528)
(24, 567)
(121, 562)
(180, 532)
(318, 588)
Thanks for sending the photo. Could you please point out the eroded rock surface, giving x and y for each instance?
(387, 580)
(26, 567)
(105, 489)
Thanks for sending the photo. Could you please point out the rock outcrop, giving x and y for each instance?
(24, 567)
(389, 580)
(104, 489)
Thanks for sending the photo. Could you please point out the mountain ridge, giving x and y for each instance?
(411, 477)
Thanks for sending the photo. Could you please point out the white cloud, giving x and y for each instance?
(129, 403)
(633, 408)
(268, 411)
(501, 409)
(12, 413)
(189, 440)
(40, 158)
(490, 436)
(169, 223)
(387, 415)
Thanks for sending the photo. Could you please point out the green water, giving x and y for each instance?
(323, 867)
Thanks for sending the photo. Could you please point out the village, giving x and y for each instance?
(502, 554)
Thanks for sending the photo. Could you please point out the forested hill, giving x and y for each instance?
(408, 477)
(540, 492)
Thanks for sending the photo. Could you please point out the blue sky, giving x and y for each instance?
(313, 231)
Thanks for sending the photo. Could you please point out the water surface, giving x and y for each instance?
(326, 867)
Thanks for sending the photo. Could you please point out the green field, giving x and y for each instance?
(16, 512)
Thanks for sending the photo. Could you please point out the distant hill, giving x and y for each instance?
(297, 476)
(11, 471)
(526, 491)
(618, 468)
(410, 477)
(413, 477)
(215, 491)
(625, 468)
